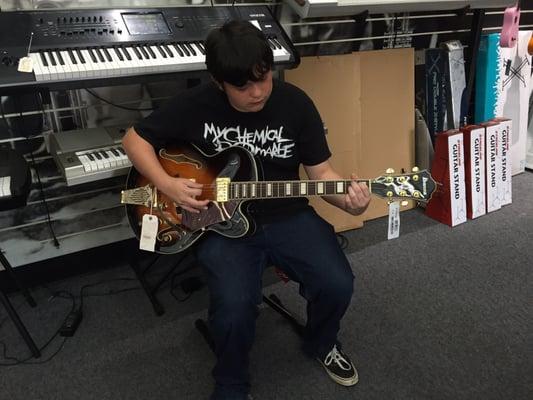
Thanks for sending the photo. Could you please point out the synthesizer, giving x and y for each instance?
(88, 155)
(89, 48)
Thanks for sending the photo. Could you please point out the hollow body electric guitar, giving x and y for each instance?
(230, 179)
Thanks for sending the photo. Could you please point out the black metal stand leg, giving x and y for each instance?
(23, 289)
(11, 310)
(275, 303)
(151, 288)
(158, 308)
(202, 327)
(20, 326)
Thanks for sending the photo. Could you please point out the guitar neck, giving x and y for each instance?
(287, 189)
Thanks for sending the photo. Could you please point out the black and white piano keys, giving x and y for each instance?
(95, 164)
(92, 62)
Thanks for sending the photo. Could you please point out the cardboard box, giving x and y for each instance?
(448, 204)
(436, 90)
(455, 82)
(503, 86)
(366, 100)
(475, 181)
(494, 165)
(506, 133)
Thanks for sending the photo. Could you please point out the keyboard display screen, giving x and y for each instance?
(145, 23)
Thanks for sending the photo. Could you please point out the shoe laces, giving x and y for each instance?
(334, 356)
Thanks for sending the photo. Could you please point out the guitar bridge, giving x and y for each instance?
(222, 185)
(141, 196)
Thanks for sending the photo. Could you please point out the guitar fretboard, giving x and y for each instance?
(281, 189)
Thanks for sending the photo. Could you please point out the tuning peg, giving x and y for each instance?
(415, 169)
(389, 171)
(404, 203)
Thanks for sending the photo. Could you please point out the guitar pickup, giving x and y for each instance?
(222, 185)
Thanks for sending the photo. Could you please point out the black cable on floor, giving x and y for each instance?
(26, 361)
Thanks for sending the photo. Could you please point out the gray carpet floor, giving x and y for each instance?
(439, 313)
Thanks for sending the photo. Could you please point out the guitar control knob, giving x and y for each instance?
(415, 169)
(389, 194)
(389, 171)
(415, 178)
(7, 61)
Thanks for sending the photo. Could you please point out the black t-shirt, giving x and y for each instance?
(287, 132)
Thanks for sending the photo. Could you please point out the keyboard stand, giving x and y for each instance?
(11, 310)
(150, 288)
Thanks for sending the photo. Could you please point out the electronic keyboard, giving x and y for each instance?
(88, 155)
(90, 48)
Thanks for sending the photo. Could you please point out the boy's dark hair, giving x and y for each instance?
(237, 52)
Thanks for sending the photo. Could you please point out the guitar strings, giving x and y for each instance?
(280, 183)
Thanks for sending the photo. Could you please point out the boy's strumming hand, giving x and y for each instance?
(184, 192)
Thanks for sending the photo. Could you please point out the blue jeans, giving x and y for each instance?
(305, 247)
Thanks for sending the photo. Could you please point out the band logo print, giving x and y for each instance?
(266, 142)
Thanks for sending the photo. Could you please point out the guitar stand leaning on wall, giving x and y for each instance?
(11, 310)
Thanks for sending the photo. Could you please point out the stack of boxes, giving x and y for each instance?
(472, 168)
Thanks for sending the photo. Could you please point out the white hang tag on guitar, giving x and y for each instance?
(148, 232)
(394, 220)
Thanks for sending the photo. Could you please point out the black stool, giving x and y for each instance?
(272, 301)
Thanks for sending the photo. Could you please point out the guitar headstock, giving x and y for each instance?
(416, 185)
